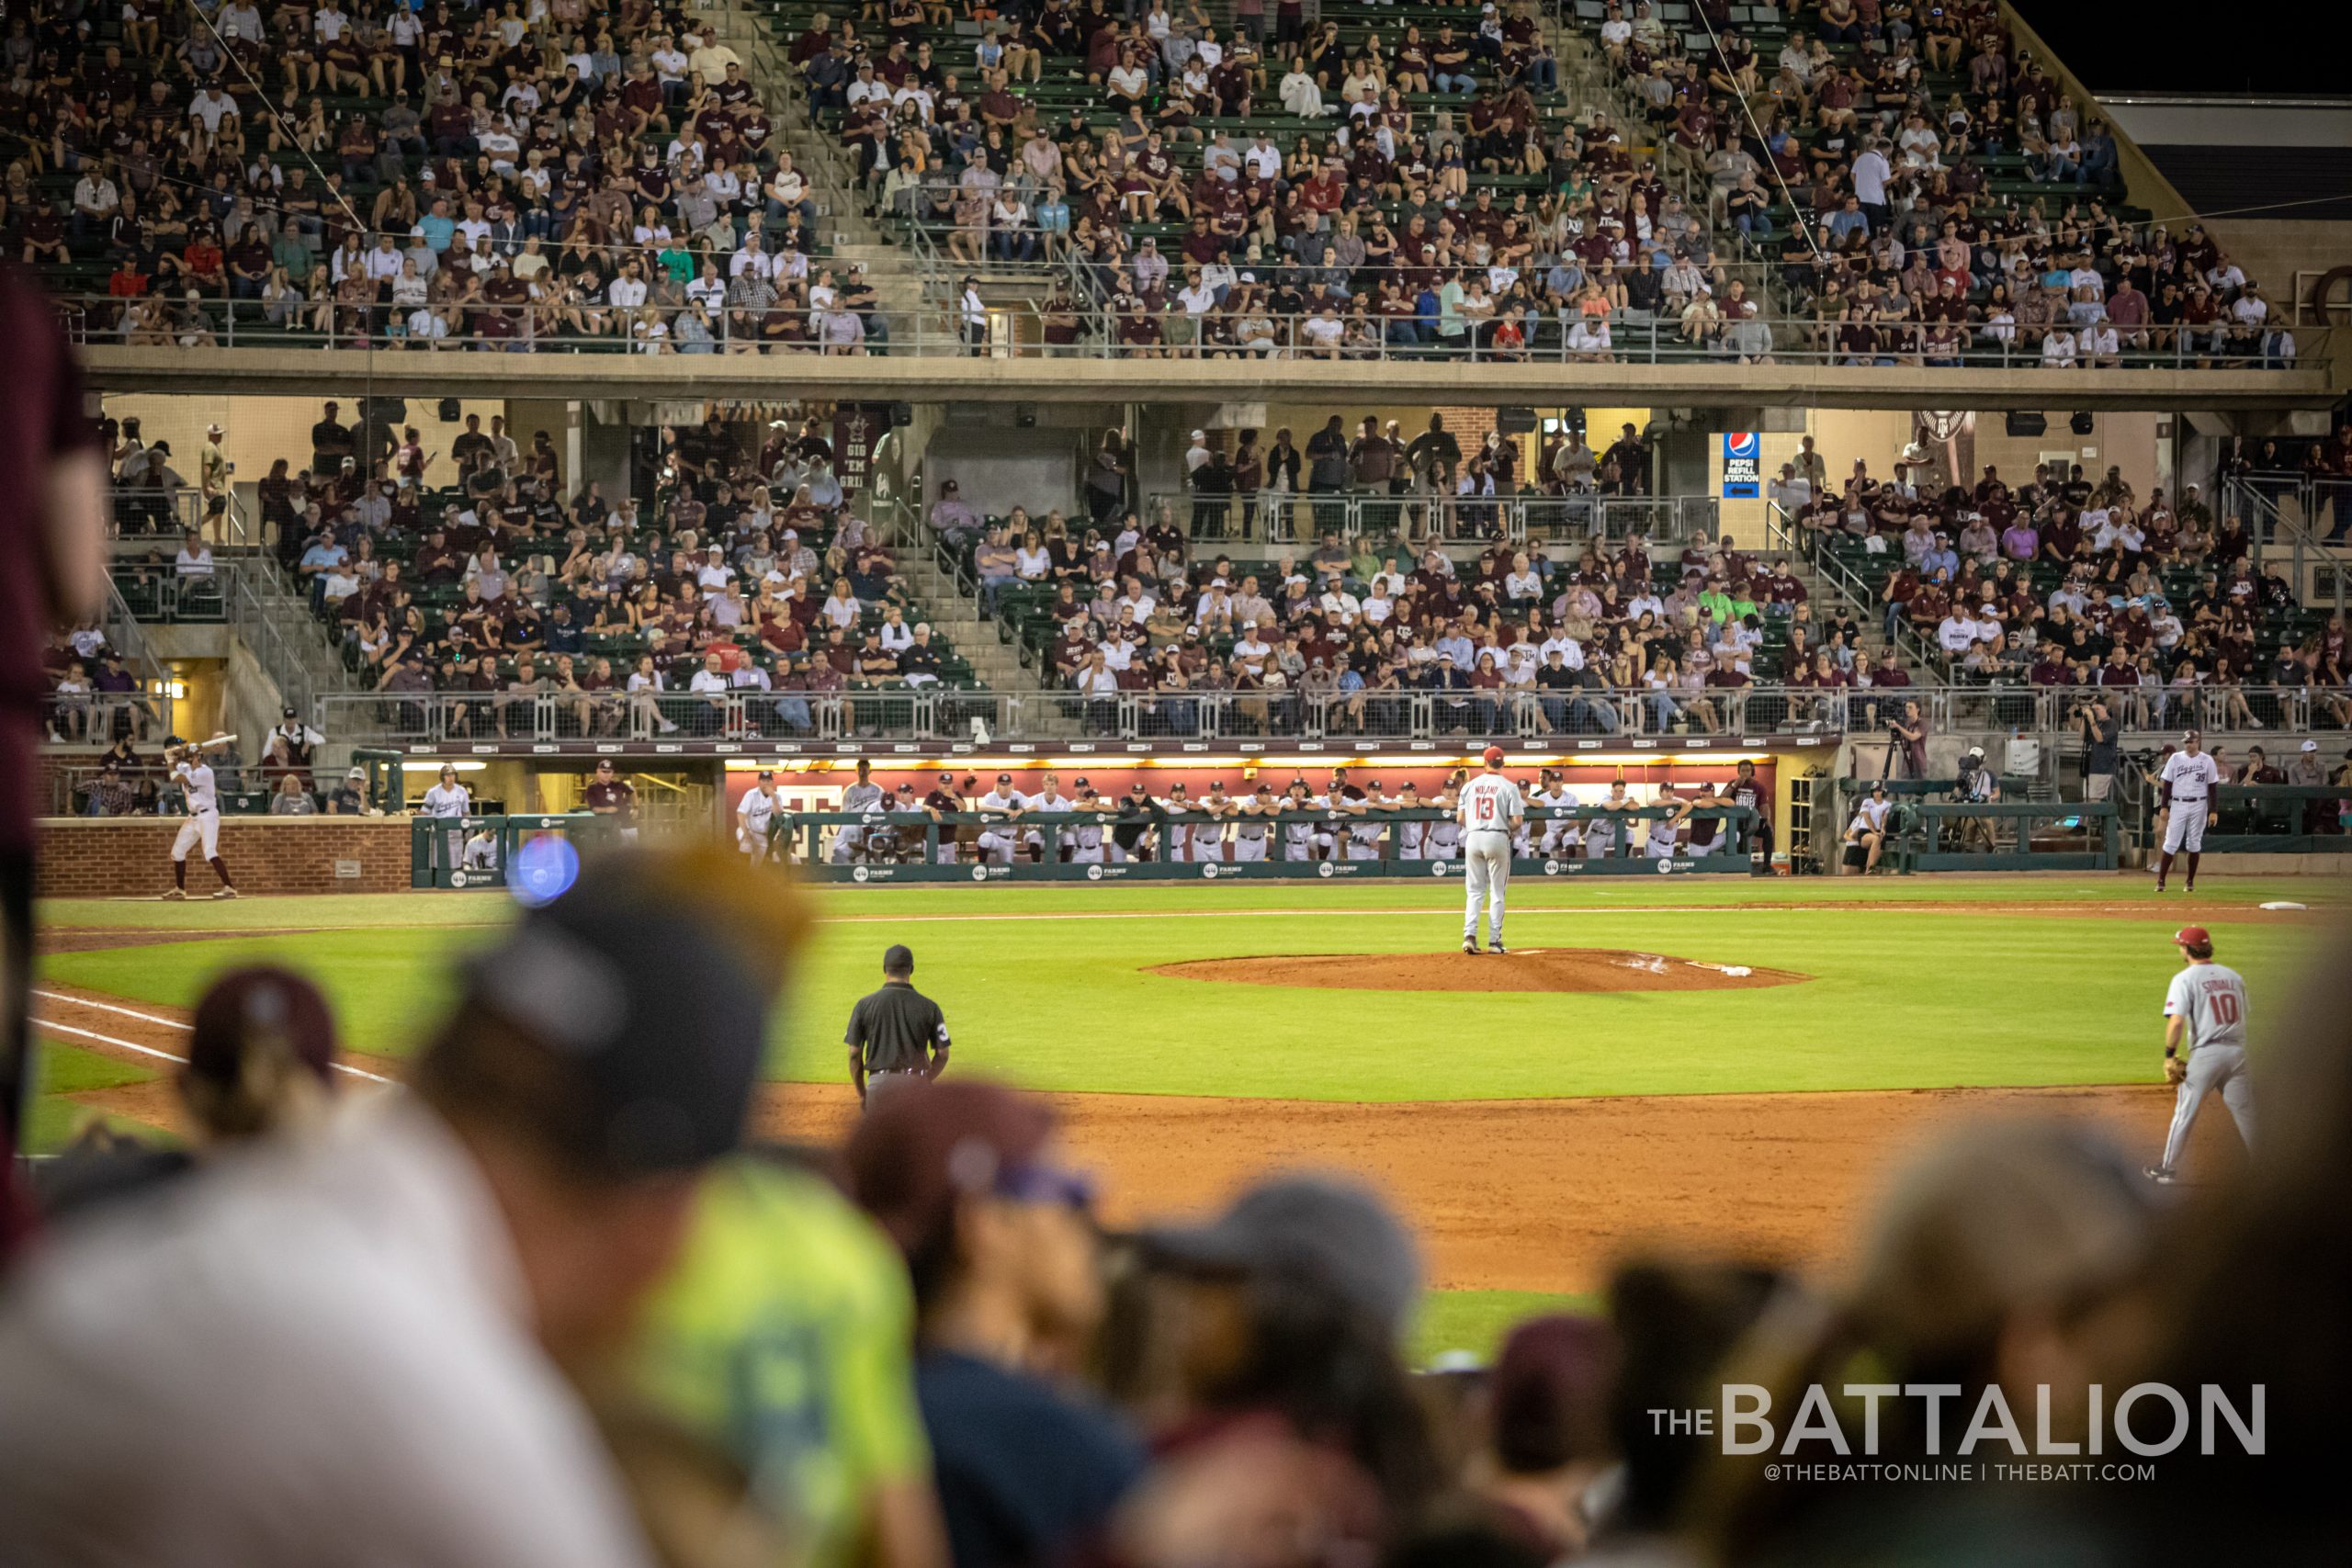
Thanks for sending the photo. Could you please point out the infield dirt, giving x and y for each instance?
(1540, 1195)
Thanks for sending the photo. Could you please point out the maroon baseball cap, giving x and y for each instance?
(1549, 1396)
(243, 1006)
(926, 1145)
(2197, 939)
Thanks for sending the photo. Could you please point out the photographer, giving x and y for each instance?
(2102, 754)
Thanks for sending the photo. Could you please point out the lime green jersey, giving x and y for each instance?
(785, 1337)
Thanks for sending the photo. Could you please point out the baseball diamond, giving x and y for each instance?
(1817, 1003)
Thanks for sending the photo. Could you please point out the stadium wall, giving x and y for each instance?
(130, 857)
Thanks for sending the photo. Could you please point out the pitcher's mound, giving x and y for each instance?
(1531, 969)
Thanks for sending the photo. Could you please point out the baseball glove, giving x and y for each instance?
(2175, 1070)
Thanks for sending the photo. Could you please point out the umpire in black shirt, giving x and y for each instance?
(896, 1035)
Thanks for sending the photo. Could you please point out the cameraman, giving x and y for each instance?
(2102, 754)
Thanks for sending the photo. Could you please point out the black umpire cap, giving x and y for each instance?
(900, 959)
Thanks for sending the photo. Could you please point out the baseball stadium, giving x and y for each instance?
(1181, 785)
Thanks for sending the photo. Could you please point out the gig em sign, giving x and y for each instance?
(1743, 466)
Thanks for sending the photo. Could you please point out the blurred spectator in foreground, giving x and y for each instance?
(2259, 1294)
(261, 1054)
(351, 1347)
(52, 573)
(784, 1339)
(1288, 1413)
(2015, 1256)
(1008, 1292)
(1546, 1431)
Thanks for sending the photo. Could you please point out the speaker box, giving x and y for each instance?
(2027, 425)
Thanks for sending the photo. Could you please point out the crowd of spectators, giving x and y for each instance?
(745, 589)
(2067, 581)
(628, 1337)
(1391, 182)
(1929, 193)
(1522, 637)
(574, 173)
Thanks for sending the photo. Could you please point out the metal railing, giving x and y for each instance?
(1025, 329)
(735, 718)
(1276, 517)
(165, 595)
(2246, 713)
(141, 511)
(100, 718)
(1781, 534)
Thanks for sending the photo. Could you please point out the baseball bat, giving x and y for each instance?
(216, 740)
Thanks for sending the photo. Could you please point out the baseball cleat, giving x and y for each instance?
(1495, 947)
(1470, 946)
(2160, 1175)
(174, 892)
(2189, 887)
(226, 893)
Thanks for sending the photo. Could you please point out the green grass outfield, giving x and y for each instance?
(1044, 986)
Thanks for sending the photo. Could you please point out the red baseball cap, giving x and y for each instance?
(2196, 938)
(1493, 756)
(244, 1005)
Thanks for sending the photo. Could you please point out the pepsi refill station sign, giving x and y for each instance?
(1743, 466)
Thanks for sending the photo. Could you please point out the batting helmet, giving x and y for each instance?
(2195, 940)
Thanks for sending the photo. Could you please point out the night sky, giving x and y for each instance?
(2299, 49)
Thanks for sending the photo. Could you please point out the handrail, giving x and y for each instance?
(1420, 516)
(1782, 535)
(1094, 329)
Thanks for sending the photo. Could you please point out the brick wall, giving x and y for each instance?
(131, 856)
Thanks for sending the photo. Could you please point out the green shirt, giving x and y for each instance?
(786, 1336)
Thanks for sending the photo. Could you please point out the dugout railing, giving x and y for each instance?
(1930, 830)
(2278, 819)
(475, 851)
(1112, 843)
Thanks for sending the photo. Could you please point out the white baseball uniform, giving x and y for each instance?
(1208, 838)
(2212, 997)
(203, 824)
(1600, 834)
(451, 801)
(849, 841)
(2192, 779)
(1443, 840)
(1666, 834)
(1561, 834)
(998, 836)
(1045, 800)
(1251, 833)
(753, 815)
(1490, 812)
(1085, 838)
(1298, 837)
(1412, 834)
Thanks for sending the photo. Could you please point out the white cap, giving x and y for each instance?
(1200, 435)
(2310, 745)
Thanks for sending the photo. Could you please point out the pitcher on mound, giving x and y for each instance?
(1490, 812)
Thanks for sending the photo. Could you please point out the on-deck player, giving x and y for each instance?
(2185, 786)
(1490, 812)
(1002, 807)
(194, 776)
(753, 814)
(2205, 1015)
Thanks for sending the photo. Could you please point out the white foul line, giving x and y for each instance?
(156, 1018)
